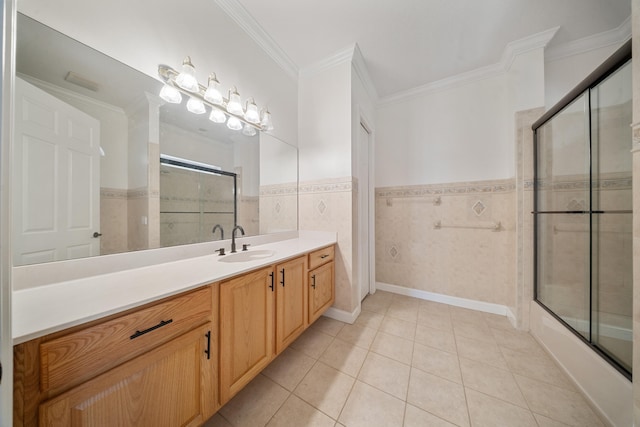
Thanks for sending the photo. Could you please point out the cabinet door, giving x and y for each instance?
(291, 301)
(321, 290)
(172, 385)
(246, 329)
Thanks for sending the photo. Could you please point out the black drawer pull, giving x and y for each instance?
(153, 328)
(207, 350)
(313, 285)
(324, 256)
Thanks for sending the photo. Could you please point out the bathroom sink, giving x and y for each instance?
(248, 256)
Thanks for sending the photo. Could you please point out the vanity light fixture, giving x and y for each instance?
(266, 120)
(212, 94)
(187, 78)
(248, 130)
(217, 116)
(170, 94)
(234, 106)
(234, 123)
(228, 110)
(251, 114)
(195, 106)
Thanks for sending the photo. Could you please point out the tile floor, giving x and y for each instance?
(409, 362)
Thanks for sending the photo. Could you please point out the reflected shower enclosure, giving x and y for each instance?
(194, 198)
(583, 211)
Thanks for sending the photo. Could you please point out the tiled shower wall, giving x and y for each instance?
(456, 239)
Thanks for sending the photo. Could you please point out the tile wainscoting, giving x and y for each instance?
(121, 225)
(278, 207)
(451, 239)
(328, 205)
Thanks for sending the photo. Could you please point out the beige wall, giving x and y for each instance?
(462, 257)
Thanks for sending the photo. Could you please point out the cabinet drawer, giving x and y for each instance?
(320, 257)
(85, 353)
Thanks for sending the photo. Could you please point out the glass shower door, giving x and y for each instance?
(583, 211)
(562, 220)
(611, 234)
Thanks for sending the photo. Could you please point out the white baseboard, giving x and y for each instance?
(341, 315)
(487, 307)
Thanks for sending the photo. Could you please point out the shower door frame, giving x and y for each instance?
(607, 68)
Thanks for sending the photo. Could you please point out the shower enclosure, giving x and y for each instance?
(194, 198)
(583, 211)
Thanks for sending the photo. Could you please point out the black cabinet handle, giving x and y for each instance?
(313, 285)
(271, 285)
(324, 256)
(207, 350)
(153, 328)
(282, 283)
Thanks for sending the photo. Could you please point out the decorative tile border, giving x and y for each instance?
(328, 185)
(141, 193)
(477, 187)
(113, 193)
(608, 182)
(122, 193)
(289, 188)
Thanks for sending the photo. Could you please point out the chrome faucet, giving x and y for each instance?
(233, 237)
(218, 227)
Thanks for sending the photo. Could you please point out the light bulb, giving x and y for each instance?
(234, 123)
(187, 78)
(252, 115)
(195, 106)
(235, 104)
(266, 120)
(170, 94)
(212, 94)
(248, 130)
(217, 116)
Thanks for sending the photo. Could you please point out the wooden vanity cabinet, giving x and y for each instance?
(144, 364)
(321, 282)
(261, 313)
(291, 302)
(173, 362)
(168, 386)
(246, 329)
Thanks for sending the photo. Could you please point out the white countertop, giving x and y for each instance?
(41, 310)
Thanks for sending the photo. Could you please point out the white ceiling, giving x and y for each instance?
(410, 43)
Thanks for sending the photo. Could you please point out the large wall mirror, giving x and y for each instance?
(88, 180)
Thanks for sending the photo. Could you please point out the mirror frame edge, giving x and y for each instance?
(9, 17)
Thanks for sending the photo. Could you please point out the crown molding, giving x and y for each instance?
(352, 55)
(240, 16)
(363, 72)
(511, 51)
(340, 57)
(518, 47)
(616, 36)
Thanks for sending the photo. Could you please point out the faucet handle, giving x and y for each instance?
(245, 246)
(221, 250)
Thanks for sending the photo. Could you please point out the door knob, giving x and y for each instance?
(96, 234)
